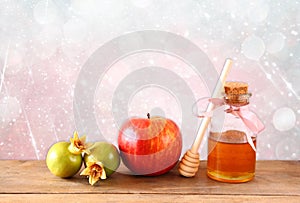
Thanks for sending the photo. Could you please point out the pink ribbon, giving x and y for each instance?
(249, 118)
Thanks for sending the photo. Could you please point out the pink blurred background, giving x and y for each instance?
(45, 43)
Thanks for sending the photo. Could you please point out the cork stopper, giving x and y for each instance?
(236, 88)
(236, 93)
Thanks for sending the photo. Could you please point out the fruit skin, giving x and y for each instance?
(107, 154)
(150, 146)
(61, 162)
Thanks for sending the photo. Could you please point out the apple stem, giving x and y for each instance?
(148, 115)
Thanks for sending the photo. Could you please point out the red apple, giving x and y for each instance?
(150, 146)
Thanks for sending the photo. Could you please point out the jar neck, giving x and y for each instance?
(237, 100)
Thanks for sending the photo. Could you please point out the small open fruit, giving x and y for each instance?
(95, 171)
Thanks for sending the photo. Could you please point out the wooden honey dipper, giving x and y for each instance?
(189, 164)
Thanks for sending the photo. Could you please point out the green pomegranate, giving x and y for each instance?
(102, 160)
(106, 153)
(61, 162)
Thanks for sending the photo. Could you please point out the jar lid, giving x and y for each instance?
(236, 88)
(236, 93)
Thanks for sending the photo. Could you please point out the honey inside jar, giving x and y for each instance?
(231, 158)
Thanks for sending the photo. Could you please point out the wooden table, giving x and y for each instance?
(21, 181)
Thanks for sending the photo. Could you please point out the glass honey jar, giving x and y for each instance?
(232, 147)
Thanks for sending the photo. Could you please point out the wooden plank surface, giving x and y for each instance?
(141, 198)
(31, 179)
